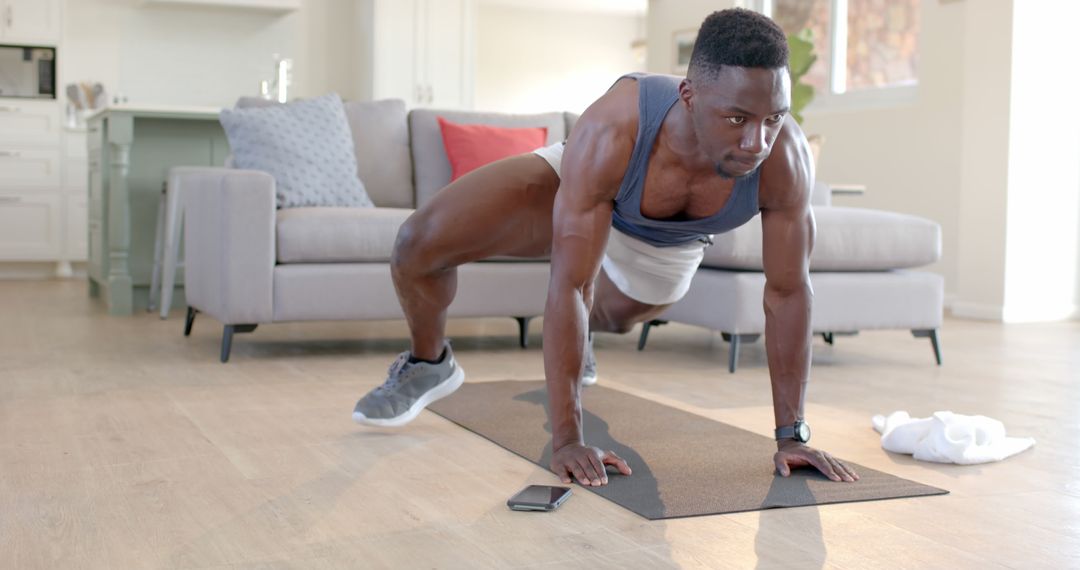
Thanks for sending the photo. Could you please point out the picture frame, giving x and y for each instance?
(682, 46)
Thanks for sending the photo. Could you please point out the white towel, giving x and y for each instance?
(948, 438)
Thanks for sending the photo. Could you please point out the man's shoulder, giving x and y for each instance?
(787, 175)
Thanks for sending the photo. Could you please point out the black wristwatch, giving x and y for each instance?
(799, 431)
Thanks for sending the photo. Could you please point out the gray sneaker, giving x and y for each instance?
(408, 389)
(588, 372)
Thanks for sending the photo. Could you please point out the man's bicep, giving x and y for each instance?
(593, 166)
(580, 226)
(787, 240)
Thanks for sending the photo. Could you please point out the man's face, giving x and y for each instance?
(737, 115)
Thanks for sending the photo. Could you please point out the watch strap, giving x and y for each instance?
(785, 432)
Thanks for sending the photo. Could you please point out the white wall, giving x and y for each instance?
(535, 60)
(979, 286)
(183, 55)
(665, 17)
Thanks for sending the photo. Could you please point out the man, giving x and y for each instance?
(625, 208)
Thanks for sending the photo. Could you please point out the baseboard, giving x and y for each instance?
(979, 311)
(38, 270)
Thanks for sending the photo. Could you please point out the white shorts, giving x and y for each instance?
(650, 274)
(553, 155)
(642, 271)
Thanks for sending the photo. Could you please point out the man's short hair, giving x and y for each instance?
(738, 37)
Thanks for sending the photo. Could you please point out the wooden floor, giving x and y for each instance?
(125, 445)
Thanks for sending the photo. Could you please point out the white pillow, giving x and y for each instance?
(305, 145)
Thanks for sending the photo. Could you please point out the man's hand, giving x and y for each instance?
(794, 454)
(586, 464)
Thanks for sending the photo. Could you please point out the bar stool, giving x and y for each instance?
(167, 244)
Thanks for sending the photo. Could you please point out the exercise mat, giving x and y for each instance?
(683, 464)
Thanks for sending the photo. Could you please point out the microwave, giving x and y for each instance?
(27, 72)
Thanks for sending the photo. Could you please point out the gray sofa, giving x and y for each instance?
(248, 263)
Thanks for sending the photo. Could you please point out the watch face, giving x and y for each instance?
(803, 432)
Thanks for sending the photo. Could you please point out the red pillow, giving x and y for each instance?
(471, 146)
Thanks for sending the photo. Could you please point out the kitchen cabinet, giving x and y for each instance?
(35, 22)
(31, 207)
(421, 51)
(30, 226)
(26, 122)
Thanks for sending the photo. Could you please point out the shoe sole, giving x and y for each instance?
(437, 393)
(589, 380)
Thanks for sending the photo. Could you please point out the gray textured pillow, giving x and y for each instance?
(305, 145)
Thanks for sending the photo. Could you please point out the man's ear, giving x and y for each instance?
(686, 93)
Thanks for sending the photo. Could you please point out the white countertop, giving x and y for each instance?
(159, 110)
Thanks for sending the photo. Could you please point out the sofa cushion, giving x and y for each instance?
(469, 147)
(848, 239)
(430, 164)
(305, 145)
(331, 235)
(380, 131)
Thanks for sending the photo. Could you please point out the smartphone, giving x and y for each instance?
(539, 498)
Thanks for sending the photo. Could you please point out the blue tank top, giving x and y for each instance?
(657, 95)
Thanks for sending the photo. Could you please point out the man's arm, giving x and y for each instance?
(595, 159)
(787, 223)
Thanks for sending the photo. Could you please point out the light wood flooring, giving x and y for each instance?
(125, 445)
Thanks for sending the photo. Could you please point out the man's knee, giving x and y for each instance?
(414, 248)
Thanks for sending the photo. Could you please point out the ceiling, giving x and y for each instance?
(610, 6)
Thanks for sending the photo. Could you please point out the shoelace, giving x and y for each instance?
(393, 374)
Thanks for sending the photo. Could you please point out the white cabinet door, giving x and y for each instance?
(445, 61)
(75, 242)
(29, 122)
(394, 51)
(29, 168)
(29, 226)
(421, 52)
(30, 21)
(76, 162)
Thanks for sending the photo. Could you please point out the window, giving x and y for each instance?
(867, 49)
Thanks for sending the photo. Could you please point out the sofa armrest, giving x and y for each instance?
(229, 243)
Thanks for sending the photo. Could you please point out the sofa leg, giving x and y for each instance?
(736, 341)
(733, 353)
(226, 338)
(828, 338)
(742, 337)
(523, 330)
(933, 336)
(190, 320)
(645, 326)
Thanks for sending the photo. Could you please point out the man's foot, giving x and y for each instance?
(409, 388)
(588, 373)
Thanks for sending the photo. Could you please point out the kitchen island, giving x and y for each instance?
(131, 149)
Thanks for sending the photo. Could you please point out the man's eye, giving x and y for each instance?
(777, 117)
(736, 120)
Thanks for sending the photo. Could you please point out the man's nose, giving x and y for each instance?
(753, 139)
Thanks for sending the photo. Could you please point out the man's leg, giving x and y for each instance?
(612, 311)
(501, 209)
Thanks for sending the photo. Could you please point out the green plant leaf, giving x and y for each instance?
(801, 58)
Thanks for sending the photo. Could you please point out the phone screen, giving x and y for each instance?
(540, 495)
